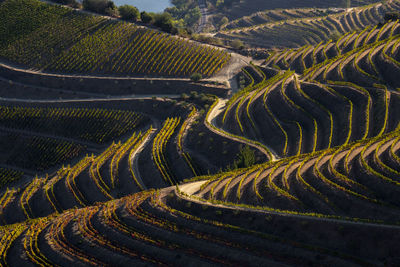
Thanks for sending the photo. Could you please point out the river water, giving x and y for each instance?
(146, 5)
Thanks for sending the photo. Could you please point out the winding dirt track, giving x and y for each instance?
(83, 76)
(204, 15)
(210, 123)
(190, 188)
(77, 100)
(134, 159)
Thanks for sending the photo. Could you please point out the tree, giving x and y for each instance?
(335, 35)
(237, 44)
(164, 21)
(245, 158)
(146, 17)
(128, 12)
(112, 11)
(106, 7)
(195, 77)
(192, 16)
(179, 3)
(72, 3)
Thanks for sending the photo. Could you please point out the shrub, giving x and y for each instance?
(195, 77)
(237, 44)
(128, 12)
(245, 158)
(72, 3)
(192, 16)
(164, 21)
(106, 7)
(335, 35)
(146, 17)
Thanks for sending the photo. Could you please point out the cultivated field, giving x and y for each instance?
(299, 165)
(56, 39)
(299, 27)
(247, 7)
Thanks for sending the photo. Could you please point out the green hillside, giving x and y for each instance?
(297, 165)
(57, 39)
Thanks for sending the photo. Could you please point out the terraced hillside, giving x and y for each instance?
(35, 140)
(56, 39)
(246, 8)
(126, 152)
(172, 226)
(62, 189)
(294, 31)
(299, 167)
(364, 173)
(346, 96)
(161, 228)
(308, 56)
(275, 15)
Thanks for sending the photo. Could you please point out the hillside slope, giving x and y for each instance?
(296, 28)
(247, 7)
(57, 39)
(300, 167)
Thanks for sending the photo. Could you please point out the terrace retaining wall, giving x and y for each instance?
(109, 85)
